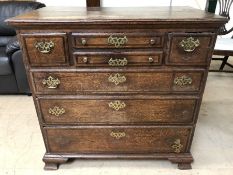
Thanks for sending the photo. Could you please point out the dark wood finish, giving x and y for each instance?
(161, 99)
(96, 110)
(119, 15)
(57, 56)
(184, 166)
(73, 83)
(93, 3)
(51, 163)
(134, 58)
(180, 159)
(99, 140)
(200, 56)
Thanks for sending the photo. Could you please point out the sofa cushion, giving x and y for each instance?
(8, 84)
(5, 64)
(11, 9)
(4, 40)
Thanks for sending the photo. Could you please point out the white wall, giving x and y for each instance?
(200, 4)
(120, 3)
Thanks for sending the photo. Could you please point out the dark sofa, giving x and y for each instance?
(13, 78)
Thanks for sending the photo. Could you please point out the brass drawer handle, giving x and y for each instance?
(177, 146)
(117, 41)
(117, 105)
(117, 78)
(44, 47)
(183, 81)
(51, 82)
(117, 62)
(117, 135)
(189, 44)
(57, 111)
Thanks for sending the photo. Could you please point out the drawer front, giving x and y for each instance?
(190, 48)
(115, 110)
(118, 139)
(96, 82)
(46, 49)
(118, 40)
(118, 59)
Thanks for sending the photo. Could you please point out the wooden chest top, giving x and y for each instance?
(116, 15)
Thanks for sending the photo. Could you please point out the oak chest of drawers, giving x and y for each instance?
(117, 82)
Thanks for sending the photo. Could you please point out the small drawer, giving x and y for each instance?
(59, 82)
(118, 59)
(118, 40)
(117, 110)
(110, 139)
(190, 48)
(45, 49)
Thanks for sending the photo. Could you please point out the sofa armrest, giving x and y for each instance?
(20, 72)
(12, 46)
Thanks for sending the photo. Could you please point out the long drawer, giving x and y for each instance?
(142, 39)
(116, 58)
(117, 110)
(156, 81)
(105, 139)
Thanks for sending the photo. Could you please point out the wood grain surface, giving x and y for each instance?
(139, 110)
(200, 56)
(99, 139)
(98, 82)
(58, 54)
(133, 58)
(134, 40)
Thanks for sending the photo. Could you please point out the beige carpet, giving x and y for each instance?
(21, 145)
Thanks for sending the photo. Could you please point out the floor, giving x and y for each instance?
(215, 65)
(21, 145)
